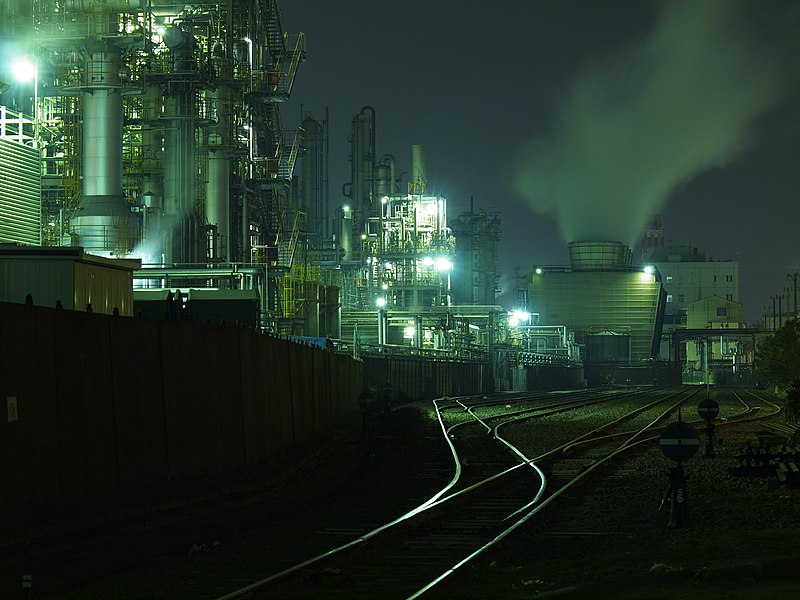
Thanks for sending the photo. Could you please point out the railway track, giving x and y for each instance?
(496, 488)
(492, 493)
(493, 489)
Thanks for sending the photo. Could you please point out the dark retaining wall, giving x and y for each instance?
(96, 409)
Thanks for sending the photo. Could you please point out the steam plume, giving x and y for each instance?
(652, 117)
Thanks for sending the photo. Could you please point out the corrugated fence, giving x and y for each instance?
(97, 409)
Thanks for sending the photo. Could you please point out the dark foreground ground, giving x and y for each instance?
(607, 541)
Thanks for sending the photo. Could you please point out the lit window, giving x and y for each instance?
(669, 297)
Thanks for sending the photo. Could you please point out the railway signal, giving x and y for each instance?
(708, 410)
(679, 442)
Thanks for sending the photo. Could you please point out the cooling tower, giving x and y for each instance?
(599, 256)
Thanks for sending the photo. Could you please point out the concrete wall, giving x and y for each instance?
(97, 410)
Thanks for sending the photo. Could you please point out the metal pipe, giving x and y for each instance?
(105, 6)
(160, 273)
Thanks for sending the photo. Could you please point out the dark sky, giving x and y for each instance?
(578, 119)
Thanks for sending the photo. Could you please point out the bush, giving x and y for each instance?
(793, 401)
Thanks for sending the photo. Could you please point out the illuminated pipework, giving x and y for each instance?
(157, 95)
(410, 251)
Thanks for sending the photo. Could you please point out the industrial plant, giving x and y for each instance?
(145, 141)
(191, 305)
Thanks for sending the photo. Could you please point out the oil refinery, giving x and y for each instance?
(152, 134)
(193, 310)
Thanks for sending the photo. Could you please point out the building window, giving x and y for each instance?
(715, 279)
(669, 297)
(669, 278)
(722, 311)
(728, 277)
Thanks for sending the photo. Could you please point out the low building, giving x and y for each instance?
(68, 277)
(715, 352)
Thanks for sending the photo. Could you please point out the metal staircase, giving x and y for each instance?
(276, 40)
(287, 248)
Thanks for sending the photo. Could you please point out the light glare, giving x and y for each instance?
(23, 70)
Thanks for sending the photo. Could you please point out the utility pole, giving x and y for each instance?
(793, 277)
(774, 321)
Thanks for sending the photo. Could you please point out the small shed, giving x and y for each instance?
(67, 274)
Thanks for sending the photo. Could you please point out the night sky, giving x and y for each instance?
(578, 119)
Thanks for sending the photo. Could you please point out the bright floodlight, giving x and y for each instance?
(538, 270)
(380, 302)
(518, 316)
(443, 264)
(648, 269)
(346, 208)
(23, 70)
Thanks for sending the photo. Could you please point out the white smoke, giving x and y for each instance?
(666, 108)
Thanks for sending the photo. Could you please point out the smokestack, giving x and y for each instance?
(419, 173)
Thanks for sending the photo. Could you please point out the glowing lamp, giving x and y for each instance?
(443, 264)
(23, 70)
(518, 316)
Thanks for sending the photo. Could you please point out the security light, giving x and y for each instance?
(23, 69)
(443, 264)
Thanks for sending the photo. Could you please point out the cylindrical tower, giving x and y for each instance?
(102, 224)
(179, 153)
(385, 176)
(312, 174)
(152, 188)
(362, 163)
(419, 170)
(218, 186)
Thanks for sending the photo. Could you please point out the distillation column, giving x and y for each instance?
(102, 223)
(152, 177)
(218, 187)
(179, 151)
